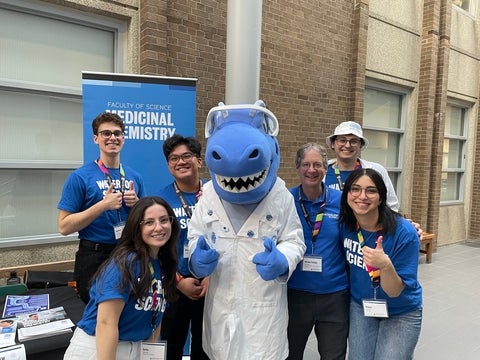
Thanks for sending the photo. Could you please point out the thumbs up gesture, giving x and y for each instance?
(112, 199)
(204, 259)
(376, 257)
(270, 263)
(130, 197)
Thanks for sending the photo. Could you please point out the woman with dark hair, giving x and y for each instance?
(381, 248)
(130, 290)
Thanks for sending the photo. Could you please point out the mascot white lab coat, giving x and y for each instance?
(248, 233)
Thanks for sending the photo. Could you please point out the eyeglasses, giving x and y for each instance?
(176, 158)
(316, 166)
(106, 134)
(370, 191)
(344, 141)
(163, 221)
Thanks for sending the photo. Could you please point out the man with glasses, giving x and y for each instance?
(347, 142)
(183, 155)
(318, 296)
(96, 200)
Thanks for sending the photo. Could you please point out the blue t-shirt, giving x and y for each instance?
(169, 195)
(328, 245)
(135, 321)
(331, 178)
(85, 187)
(402, 247)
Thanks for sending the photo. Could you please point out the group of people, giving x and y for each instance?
(357, 278)
(348, 210)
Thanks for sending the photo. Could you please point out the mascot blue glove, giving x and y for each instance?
(203, 260)
(271, 263)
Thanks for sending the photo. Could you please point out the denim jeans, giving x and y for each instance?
(392, 338)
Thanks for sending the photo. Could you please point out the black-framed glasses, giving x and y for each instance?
(185, 157)
(344, 141)
(370, 191)
(106, 134)
(163, 221)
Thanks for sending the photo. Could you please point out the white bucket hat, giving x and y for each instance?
(348, 128)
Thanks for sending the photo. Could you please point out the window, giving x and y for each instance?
(383, 126)
(470, 6)
(454, 147)
(44, 51)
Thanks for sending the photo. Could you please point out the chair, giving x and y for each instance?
(426, 243)
(14, 289)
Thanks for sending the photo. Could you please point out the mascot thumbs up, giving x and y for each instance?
(246, 235)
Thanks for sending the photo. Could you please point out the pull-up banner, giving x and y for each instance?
(153, 109)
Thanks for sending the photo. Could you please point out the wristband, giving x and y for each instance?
(179, 278)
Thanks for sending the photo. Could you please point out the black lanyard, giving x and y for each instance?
(185, 206)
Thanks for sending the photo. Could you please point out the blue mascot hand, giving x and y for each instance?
(203, 260)
(271, 263)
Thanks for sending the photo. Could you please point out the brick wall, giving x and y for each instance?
(312, 75)
(306, 65)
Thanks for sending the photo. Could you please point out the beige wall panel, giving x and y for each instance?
(464, 33)
(126, 10)
(451, 225)
(463, 74)
(392, 51)
(406, 13)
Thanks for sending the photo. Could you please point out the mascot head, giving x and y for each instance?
(242, 152)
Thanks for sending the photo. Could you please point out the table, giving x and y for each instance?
(53, 347)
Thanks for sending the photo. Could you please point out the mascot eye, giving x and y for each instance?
(270, 125)
(216, 156)
(265, 125)
(254, 154)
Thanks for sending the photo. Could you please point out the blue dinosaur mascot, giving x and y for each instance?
(246, 235)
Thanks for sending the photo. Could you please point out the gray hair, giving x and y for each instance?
(307, 147)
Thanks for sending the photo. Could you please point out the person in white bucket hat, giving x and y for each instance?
(347, 142)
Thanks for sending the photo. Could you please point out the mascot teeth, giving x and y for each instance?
(242, 184)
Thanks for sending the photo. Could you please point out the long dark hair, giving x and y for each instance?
(132, 248)
(386, 216)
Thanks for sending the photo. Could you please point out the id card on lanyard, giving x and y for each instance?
(118, 227)
(152, 349)
(312, 262)
(187, 209)
(372, 307)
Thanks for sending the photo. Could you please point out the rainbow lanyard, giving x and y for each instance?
(372, 271)
(337, 173)
(318, 219)
(104, 169)
(155, 296)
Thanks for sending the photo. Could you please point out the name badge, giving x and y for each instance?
(186, 251)
(153, 350)
(312, 263)
(375, 308)
(118, 229)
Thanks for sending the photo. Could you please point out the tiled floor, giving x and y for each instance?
(451, 296)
